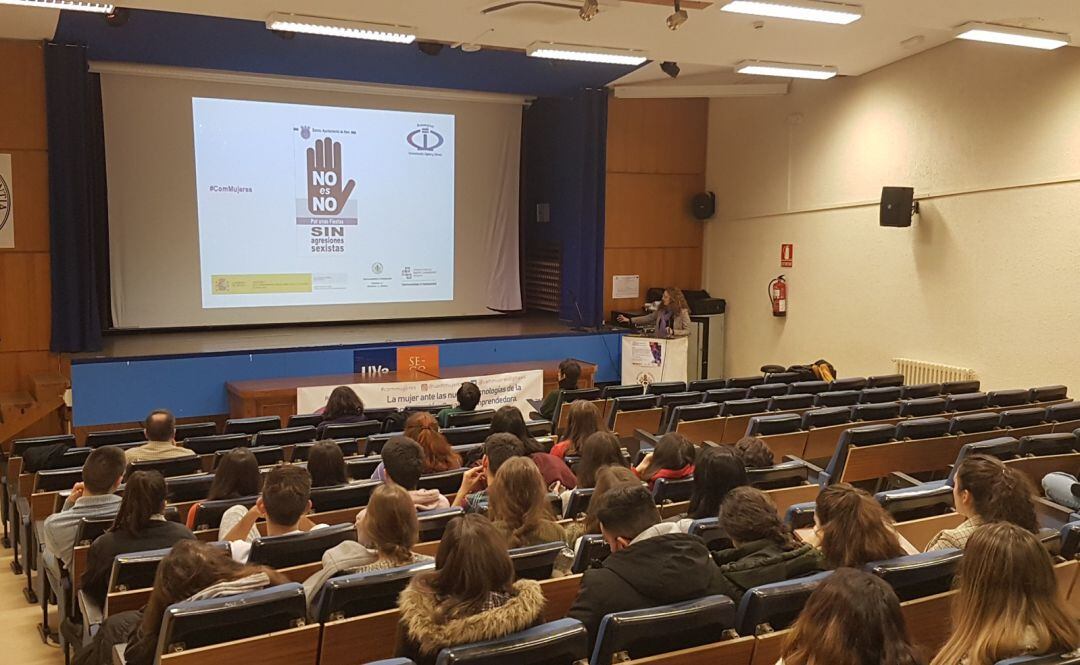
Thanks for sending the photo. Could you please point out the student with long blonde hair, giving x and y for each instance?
(519, 507)
(1008, 603)
(853, 529)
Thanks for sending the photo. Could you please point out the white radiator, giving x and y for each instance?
(921, 371)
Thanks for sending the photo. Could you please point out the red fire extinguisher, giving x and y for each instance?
(778, 296)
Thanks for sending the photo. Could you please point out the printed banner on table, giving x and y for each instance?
(496, 390)
(7, 206)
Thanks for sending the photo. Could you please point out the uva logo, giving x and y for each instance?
(305, 132)
(326, 193)
(425, 139)
(5, 202)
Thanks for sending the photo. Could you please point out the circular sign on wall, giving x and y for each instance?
(5, 202)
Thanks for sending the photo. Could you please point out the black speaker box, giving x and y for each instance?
(896, 206)
(703, 205)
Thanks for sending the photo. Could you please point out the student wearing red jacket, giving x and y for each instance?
(673, 458)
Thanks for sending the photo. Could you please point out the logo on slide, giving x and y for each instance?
(377, 268)
(305, 132)
(425, 139)
(326, 193)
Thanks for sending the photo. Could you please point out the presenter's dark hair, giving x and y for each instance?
(160, 425)
(468, 396)
(508, 419)
(571, 373)
(343, 402)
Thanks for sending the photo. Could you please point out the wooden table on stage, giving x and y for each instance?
(277, 397)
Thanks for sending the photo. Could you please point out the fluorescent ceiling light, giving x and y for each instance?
(785, 69)
(579, 53)
(1003, 34)
(99, 7)
(332, 27)
(801, 10)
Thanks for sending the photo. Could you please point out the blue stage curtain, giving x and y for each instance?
(78, 217)
(594, 107)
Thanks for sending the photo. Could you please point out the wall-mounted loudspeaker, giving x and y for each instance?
(897, 206)
(703, 205)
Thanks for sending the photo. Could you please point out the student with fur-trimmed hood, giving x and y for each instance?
(471, 596)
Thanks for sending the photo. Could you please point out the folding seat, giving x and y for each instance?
(195, 429)
(1048, 393)
(72, 458)
(710, 531)
(568, 396)
(920, 390)
(208, 445)
(885, 381)
(136, 570)
(665, 387)
(922, 428)
(774, 607)
(360, 430)
(965, 401)
(784, 474)
(640, 633)
(808, 387)
(922, 407)
(447, 482)
(721, 395)
(743, 407)
(879, 395)
(199, 623)
(433, 522)
(779, 424)
(910, 503)
(562, 642)
(1047, 444)
(1022, 417)
(826, 417)
(688, 412)
(375, 442)
(702, 385)
(1064, 412)
(347, 596)
(208, 513)
(973, 423)
(115, 437)
(301, 451)
(670, 401)
(188, 488)
(784, 377)
(19, 446)
(90, 528)
(459, 435)
(768, 390)
(791, 402)
(264, 455)
(578, 502)
(837, 398)
(1008, 397)
(849, 383)
(294, 549)
(174, 466)
(1002, 447)
(745, 381)
(1070, 540)
(466, 418)
(352, 495)
(1070, 658)
(666, 490)
(300, 420)
(433, 409)
(959, 387)
(382, 414)
(800, 515)
(591, 550)
(251, 425)
(538, 427)
(878, 411)
(636, 403)
(867, 435)
(535, 562)
(918, 575)
(629, 390)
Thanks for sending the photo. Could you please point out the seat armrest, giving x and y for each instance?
(22, 506)
(91, 613)
(646, 437)
(899, 479)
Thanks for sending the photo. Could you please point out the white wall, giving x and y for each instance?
(988, 135)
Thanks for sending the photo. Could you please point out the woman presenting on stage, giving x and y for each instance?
(671, 318)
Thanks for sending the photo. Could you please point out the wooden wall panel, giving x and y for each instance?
(657, 135)
(652, 210)
(25, 301)
(22, 104)
(656, 266)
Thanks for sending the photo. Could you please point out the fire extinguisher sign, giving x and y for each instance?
(787, 253)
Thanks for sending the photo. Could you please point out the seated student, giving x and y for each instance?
(651, 562)
(193, 570)
(403, 463)
(717, 471)
(160, 430)
(438, 454)
(284, 503)
(343, 407)
(508, 419)
(498, 448)
(599, 450)
(387, 530)
(471, 596)
(1062, 488)
(607, 478)
(985, 490)
(236, 476)
(853, 529)
(763, 548)
(1007, 603)
(569, 374)
(468, 396)
(519, 507)
(673, 458)
(139, 526)
(326, 464)
(852, 618)
(754, 452)
(581, 423)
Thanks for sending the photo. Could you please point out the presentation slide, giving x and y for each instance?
(322, 205)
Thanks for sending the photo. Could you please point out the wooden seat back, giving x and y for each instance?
(909, 456)
(792, 443)
(627, 422)
(730, 652)
(296, 646)
(700, 431)
(602, 405)
(1037, 467)
(921, 531)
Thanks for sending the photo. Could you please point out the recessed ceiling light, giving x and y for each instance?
(1004, 34)
(785, 69)
(98, 7)
(332, 27)
(801, 10)
(580, 53)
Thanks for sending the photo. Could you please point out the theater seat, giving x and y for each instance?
(743, 407)
(1070, 540)
(300, 420)
(194, 429)
(375, 442)
(90, 528)
(1047, 444)
(251, 425)
(467, 418)
(922, 428)
(630, 390)
(959, 387)
(264, 455)
(392, 661)
(535, 562)
(1049, 659)
(666, 490)
(885, 381)
(1001, 447)
(837, 398)
(433, 522)
(208, 513)
(922, 407)
(562, 642)
(688, 412)
(458, 436)
(800, 515)
(447, 482)
(1048, 393)
(879, 395)
(208, 445)
(295, 549)
(578, 502)
(199, 623)
(779, 424)
(867, 435)
(785, 377)
(918, 575)
(849, 383)
(636, 403)
(671, 401)
(920, 390)
(115, 437)
(136, 570)
(965, 401)
(353, 595)
(641, 633)
(188, 488)
(1022, 417)
(875, 411)
(1007, 397)
(701, 385)
(1064, 412)
(710, 531)
(352, 495)
(791, 402)
(774, 607)
(360, 430)
(349, 448)
(174, 466)
(808, 387)
(71, 459)
(722, 395)
(911, 503)
(768, 390)
(826, 417)
(591, 551)
(784, 474)
(665, 387)
(55, 480)
(973, 423)
(745, 381)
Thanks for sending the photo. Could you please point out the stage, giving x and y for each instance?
(186, 372)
